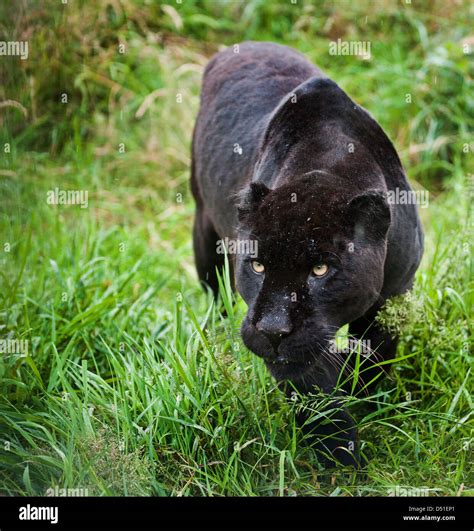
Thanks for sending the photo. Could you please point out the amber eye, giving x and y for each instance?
(258, 267)
(320, 270)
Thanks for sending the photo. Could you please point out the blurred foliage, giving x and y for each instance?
(163, 397)
(103, 56)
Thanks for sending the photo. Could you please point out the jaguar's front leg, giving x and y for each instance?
(330, 429)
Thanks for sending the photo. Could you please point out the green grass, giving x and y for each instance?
(134, 382)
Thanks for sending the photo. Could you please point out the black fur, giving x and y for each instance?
(282, 156)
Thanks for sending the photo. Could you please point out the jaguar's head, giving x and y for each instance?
(318, 265)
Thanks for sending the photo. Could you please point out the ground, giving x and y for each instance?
(131, 380)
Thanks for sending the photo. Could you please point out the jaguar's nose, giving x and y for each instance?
(274, 329)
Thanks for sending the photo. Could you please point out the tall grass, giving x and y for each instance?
(134, 382)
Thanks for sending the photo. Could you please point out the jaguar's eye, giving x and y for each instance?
(320, 270)
(258, 267)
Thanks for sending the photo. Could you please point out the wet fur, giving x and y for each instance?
(283, 156)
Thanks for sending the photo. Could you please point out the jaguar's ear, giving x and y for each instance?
(369, 214)
(249, 199)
